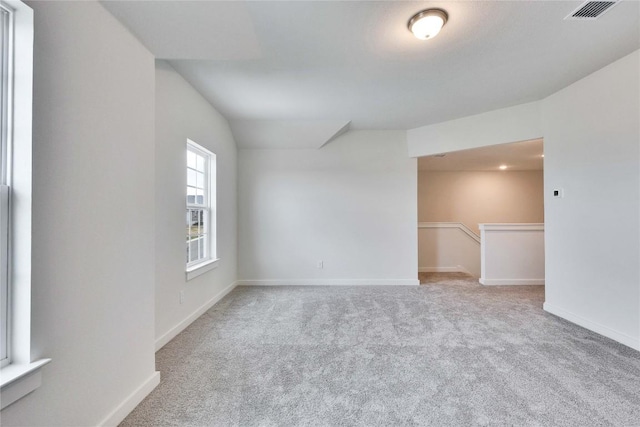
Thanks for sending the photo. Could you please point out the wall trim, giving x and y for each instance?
(605, 331)
(512, 227)
(330, 282)
(120, 412)
(171, 333)
(510, 282)
(18, 380)
(457, 225)
(456, 269)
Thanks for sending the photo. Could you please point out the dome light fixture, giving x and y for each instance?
(427, 24)
(503, 167)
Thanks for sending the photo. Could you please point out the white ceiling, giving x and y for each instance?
(517, 156)
(286, 134)
(356, 61)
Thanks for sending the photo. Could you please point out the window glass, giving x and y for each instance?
(200, 241)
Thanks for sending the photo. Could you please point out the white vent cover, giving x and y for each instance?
(592, 9)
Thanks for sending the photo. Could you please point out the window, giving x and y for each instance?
(4, 184)
(20, 375)
(200, 213)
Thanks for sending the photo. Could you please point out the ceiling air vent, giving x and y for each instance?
(592, 9)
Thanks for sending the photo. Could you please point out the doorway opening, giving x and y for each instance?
(464, 195)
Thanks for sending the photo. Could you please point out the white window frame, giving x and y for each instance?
(5, 179)
(19, 375)
(207, 227)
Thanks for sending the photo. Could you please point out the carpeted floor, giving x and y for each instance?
(446, 354)
(444, 278)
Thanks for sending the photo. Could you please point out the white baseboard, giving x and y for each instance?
(330, 282)
(121, 411)
(455, 269)
(171, 333)
(510, 282)
(606, 331)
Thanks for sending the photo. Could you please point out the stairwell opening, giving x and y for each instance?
(459, 191)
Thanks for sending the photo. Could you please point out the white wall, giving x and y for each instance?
(591, 133)
(351, 204)
(519, 123)
(592, 151)
(183, 113)
(512, 254)
(93, 222)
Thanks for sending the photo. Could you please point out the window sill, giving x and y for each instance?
(18, 380)
(197, 270)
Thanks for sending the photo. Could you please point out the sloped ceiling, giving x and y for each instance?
(356, 61)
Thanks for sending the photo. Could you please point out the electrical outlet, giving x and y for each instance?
(181, 297)
(320, 264)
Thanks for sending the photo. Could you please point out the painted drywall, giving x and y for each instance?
(93, 222)
(351, 204)
(182, 113)
(519, 123)
(446, 247)
(591, 133)
(512, 254)
(592, 152)
(474, 197)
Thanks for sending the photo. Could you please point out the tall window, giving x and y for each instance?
(201, 196)
(19, 373)
(5, 176)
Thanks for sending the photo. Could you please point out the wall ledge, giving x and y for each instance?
(512, 227)
(17, 380)
(460, 226)
(200, 269)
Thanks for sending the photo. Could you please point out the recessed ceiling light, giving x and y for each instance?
(542, 155)
(503, 167)
(428, 23)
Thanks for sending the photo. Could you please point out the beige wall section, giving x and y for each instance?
(473, 197)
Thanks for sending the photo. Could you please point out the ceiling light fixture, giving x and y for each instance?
(503, 167)
(428, 23)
